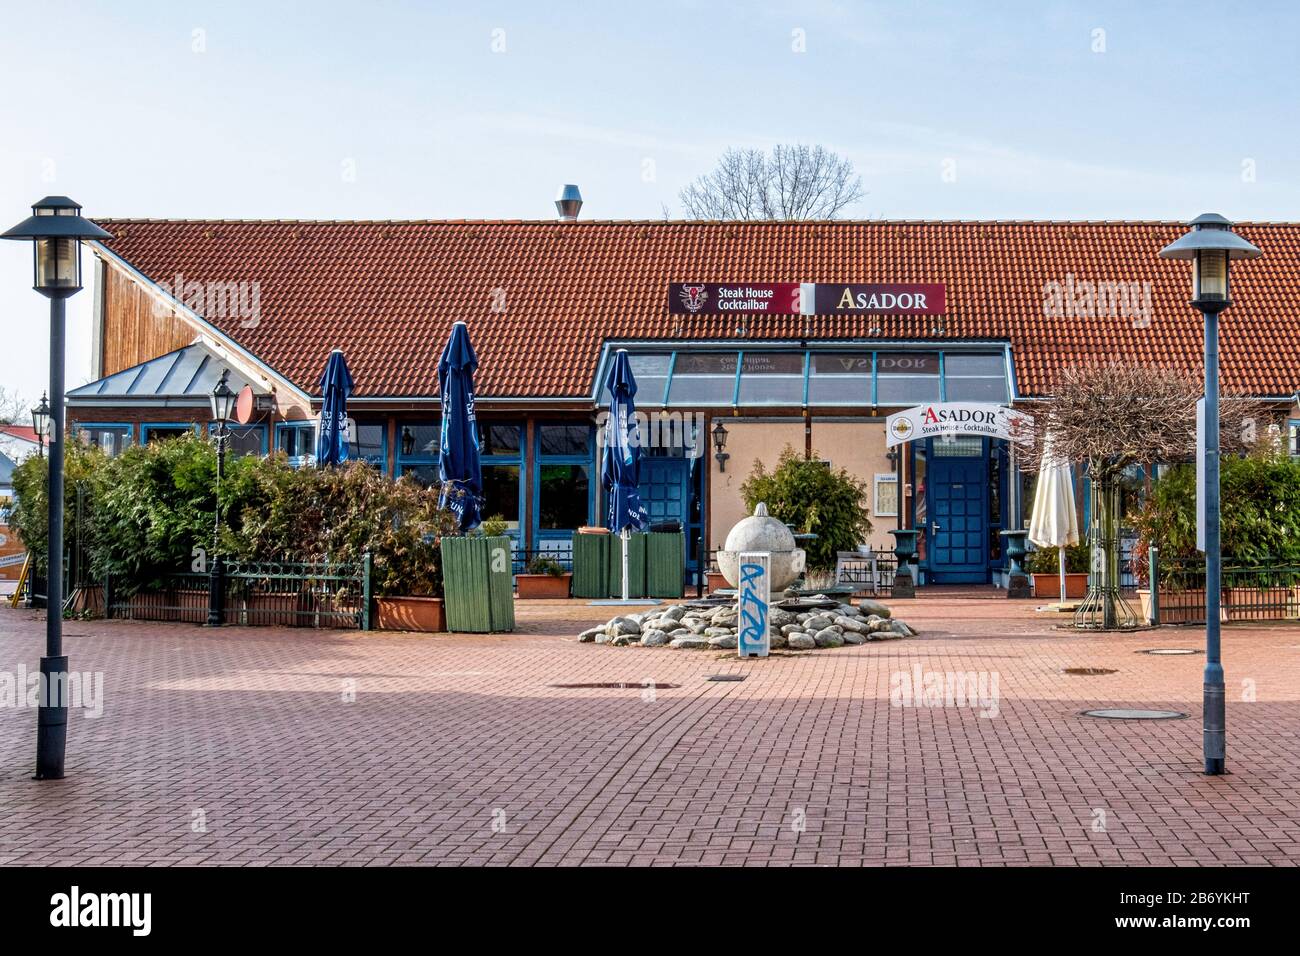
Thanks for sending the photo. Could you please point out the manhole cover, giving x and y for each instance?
(1121, 714)
(616, 685)
(725, 677)
(1089, 671)
(1171, 651)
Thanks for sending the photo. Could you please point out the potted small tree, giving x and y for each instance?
(1044, 567)
(544, 579)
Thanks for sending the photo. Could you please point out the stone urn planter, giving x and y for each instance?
(761, 532)
(410, 614)
(543, 586)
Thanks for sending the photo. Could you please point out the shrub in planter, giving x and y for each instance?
(1043, 565)
(809, 495)
(545, 578)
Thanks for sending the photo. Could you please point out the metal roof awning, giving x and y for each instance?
(184, 377)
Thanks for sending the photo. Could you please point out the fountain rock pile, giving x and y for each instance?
(710, 627)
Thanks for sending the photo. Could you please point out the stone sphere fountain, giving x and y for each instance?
(761, 532)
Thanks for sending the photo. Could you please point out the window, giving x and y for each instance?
(418, 441)
(564, 493)
(158, 432)
(501, 493)
(297, 440)
(369, 444)
(840, 378)
(497, 439)
(110, 439)
(907, 378)
(1293, 438)
(703, 378)
(974, 377)
(564, 470)
(650, 369)
(772, 378)
(886, 495)
(553, 440)
(243, 439)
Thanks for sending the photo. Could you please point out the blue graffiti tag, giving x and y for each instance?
(753, 611)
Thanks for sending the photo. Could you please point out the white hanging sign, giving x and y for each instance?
(958, 420)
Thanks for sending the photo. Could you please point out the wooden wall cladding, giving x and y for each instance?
(137, 327)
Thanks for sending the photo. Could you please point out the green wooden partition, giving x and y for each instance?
(478, 589)
(666, 564)
(636, 554)
(591, 565)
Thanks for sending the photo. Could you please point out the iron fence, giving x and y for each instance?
(284, 593)
(1265, 590)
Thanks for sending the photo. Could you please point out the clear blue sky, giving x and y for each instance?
(263, 113)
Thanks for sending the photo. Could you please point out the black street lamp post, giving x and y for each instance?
(223, 404)
(1211, 245)
(41, 424)
(55, 230)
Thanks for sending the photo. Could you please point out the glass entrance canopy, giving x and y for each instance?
(831, 376)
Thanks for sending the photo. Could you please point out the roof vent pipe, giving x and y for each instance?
(567, 203)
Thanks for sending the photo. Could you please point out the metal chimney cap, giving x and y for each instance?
(567, 202)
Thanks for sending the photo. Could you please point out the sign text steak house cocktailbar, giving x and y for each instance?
(807, 298)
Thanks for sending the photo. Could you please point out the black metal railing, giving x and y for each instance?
(521, 558)
(1263, 590)
(283, 593)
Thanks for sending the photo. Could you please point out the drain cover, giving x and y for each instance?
(1121, 714)
(616, 685)
(1170, 651)
(1089, 671)
(725, 677)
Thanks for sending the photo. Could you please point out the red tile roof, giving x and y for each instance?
(21, 432)
(387, 293)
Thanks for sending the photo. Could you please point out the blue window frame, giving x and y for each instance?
(156, 431)
(417, 451)
(243, 439)
(501, 454)
(1293, 438)
(297, 440)
(109, 437)
(564, 491)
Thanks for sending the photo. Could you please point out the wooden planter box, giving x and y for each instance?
(1049, 586)
(181, 604)
(477, 584)
(543, 586)
(410, 614)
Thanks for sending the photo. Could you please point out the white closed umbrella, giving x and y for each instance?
(1054, 523)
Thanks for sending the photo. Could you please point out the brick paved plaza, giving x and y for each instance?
(238, 747)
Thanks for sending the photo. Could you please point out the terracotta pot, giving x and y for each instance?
(544, 586)
(410, 614)
(714, 580)
(1049, 586)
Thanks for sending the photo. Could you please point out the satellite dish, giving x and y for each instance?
(244, 405)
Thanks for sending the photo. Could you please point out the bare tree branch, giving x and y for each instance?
(1113, 416)
(794, 182)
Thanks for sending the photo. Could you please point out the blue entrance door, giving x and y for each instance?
(959, 517)
(666, 493)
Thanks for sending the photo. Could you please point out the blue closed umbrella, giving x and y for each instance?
(335, 387)
(458, 459)
(621, 465)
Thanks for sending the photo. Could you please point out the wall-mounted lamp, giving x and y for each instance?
(720, 445)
